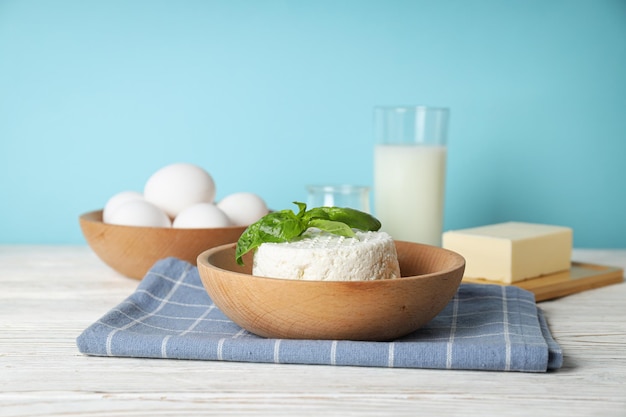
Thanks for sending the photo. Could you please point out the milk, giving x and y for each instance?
(409, 185)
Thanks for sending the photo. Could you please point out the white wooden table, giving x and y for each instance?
(49, 294)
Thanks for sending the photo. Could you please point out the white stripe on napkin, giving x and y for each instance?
(277, 351)
(505, 332)
(390, 358)
(455, 309)
(164, 346)
(220, 346)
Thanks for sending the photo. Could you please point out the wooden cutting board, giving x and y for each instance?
(580, 277)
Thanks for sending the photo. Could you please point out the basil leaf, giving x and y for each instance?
(337, 228)
(301, 209)
(281, 225)
(277, 227)
(354, 218)
(316, 213)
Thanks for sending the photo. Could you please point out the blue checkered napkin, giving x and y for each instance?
(170, 315)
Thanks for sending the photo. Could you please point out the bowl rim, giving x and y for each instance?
(95, 217)
(460, 262)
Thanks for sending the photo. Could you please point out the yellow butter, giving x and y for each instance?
(513, 251)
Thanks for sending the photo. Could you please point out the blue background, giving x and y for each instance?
(269, 96)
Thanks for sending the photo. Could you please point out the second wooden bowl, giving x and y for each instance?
(334, 310)
(133, 250)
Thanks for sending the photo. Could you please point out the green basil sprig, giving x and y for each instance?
(285, 225)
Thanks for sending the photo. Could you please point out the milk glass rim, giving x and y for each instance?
(413, 107)
(341, 188)
(417, 125)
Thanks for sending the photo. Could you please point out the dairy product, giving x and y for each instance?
(409, 191)
(327, 257)
(512, 251)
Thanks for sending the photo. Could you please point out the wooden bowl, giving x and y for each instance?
(132, 250)
(334, 310)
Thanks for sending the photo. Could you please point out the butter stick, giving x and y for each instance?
(513, 251)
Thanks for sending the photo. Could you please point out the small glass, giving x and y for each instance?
(351, 196)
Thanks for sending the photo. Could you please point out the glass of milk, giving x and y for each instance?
(409, 171)
(351, 196)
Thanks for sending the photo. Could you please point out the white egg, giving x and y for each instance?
(139, 213)
(243, 209)
(117, 200)
(201, 215)
(178, 186)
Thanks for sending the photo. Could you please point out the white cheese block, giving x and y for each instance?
(513, 251)
(323, 256)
